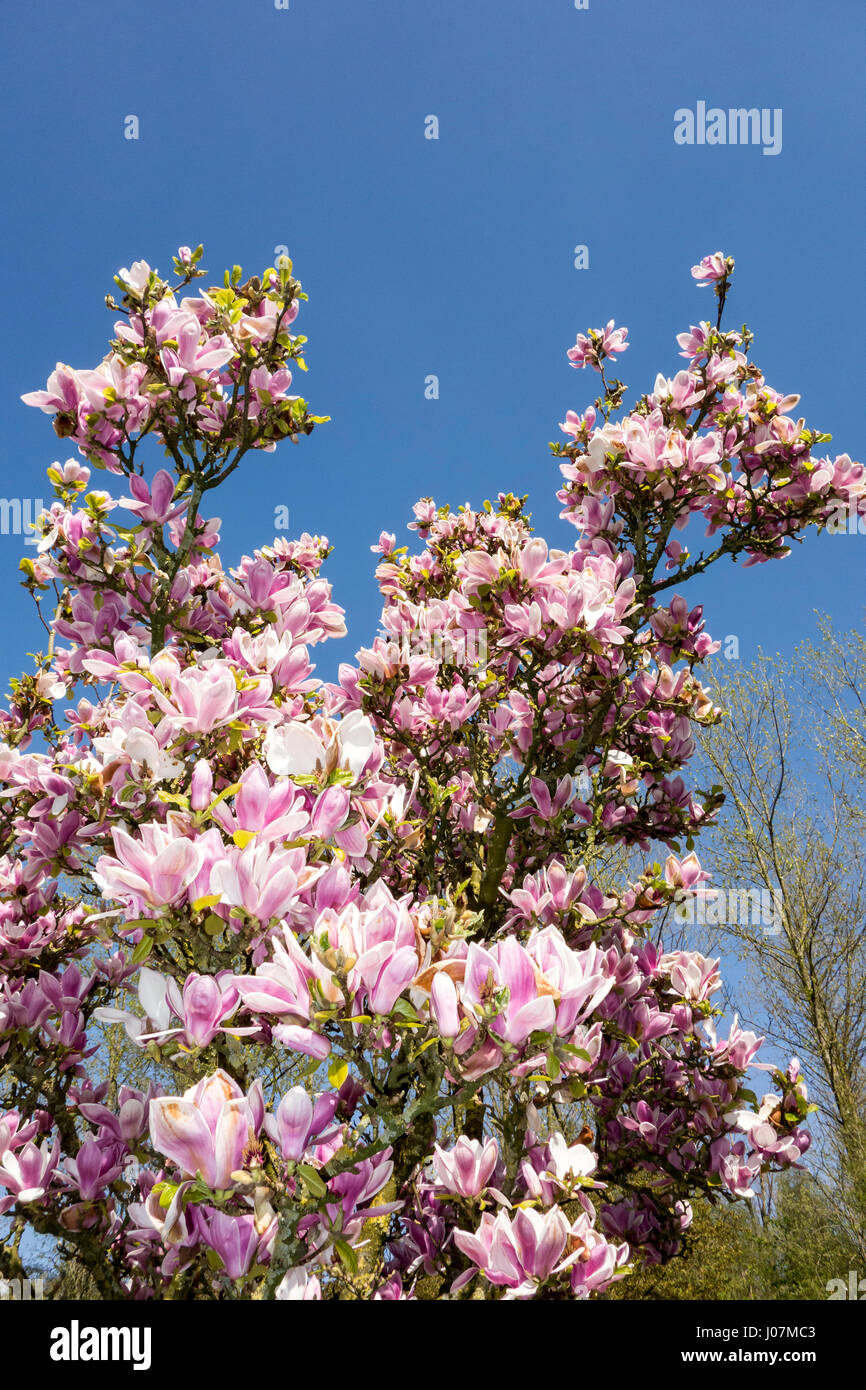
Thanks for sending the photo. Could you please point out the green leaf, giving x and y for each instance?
(209, 900)
(142, 950)
(165, 1192)
(405, 1010)
(338, 1070)
(226, 791)
(312, 1181)
(347, 1255)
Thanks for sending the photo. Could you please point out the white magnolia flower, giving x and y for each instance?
(137, 276)
(575, 1162)
(292, 750)
(300, 1285)
(357, 740)
(146, 757)
(153, 995)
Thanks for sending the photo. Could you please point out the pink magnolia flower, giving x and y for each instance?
(444, 1004)
(594, 1262)
(575, 424)
(93, 1168)
(685, 873)
(691, 975)
(62, 393)
(577, 980)
(205, 1005)
(712, 268)
(262, 882)
(152, 871)
(740, 1045)
(386, 970)
(545, 806)
(304, 1040)
(330, 811)
(233, 1237)
(196, 357)
(767, 1140)
(694, 342)
(600, 343)
(153, 503)
(201, 786)
(511, 969)
(129, 1122)
(737, 1169)
(259, 808)
(206, 1130)
(468, 1167)
(281, 986)
(202, 698)
(520, 1253)
(299, 1120)
(27, 1174)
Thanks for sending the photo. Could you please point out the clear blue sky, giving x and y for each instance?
(305, 127)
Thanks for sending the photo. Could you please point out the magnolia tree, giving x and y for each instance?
(395, 1042)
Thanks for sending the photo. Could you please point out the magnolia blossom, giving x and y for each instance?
(712, 268)
(206, 1130)
(299, 1120)
(692, 975)
(294, 750)
(567, 1162)
(468, 1167)
(26, 1174)
(299, 1285)
(519, 1252)
(153, 870)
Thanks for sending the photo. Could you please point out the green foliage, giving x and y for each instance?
(789, 1252)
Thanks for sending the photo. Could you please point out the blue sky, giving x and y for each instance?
(305, 127)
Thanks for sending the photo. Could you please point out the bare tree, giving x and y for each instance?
(792, 763)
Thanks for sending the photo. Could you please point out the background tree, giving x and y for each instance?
(791, 760)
